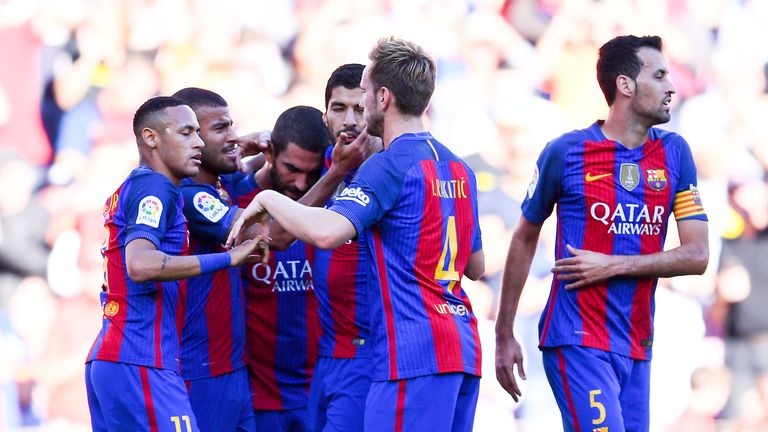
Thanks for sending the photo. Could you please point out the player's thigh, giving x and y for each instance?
(585, 387)
(317, 403)
(347, 387)
(223, 403)
(138, 398)
(290, 420)
(97, 417)
(423, 403)
(635, 394)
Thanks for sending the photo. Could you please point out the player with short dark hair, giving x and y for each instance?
(615, 185)
(132, 370)
(416, 204)
(212, 308)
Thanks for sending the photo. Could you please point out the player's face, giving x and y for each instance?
(654, 90)
(218, 133)
(180, 145)
(295, 170)
(344, 112)
(374, 117)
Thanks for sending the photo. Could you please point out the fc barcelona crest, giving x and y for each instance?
(629, 177)
(657, 179)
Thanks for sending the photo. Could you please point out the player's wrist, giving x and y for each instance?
(214, 262)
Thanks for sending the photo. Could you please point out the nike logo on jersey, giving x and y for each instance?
(590, 178)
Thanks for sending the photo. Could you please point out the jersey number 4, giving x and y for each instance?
(450, 248)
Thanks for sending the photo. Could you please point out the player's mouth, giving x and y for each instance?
(230, 151)
(197, 159)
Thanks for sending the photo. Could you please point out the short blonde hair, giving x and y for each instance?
(406, 70)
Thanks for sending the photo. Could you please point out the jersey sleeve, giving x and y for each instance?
(545, 187)
(208, 218)
(687, 204)
(150, 209)
(373, 191)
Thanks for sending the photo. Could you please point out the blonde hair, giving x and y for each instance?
(406, 70)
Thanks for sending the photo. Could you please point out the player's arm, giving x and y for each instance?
(475, 266)
(345, 157)
(317, 226)
(145, 263)
(691, 257)
(508, 351)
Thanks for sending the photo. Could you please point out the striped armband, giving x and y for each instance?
(688, 203)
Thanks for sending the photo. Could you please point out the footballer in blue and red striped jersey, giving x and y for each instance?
(421, 320)
(616, 201)
(340, 285)
(282, 326)
(139, 323)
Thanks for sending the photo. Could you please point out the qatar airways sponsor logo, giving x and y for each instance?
(631, 219)
(288, 276)
(354, 194)
(453, 309)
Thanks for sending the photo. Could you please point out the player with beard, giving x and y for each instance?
(212, 306)
(132, 371)
(615, 184)
(416, 205)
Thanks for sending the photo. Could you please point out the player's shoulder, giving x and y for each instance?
(572, 140)
(144, 179)
(668, 138)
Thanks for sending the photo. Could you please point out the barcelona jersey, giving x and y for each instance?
(617, 201)
(212, 313)
(139, 324)
(282, 327)
(416, 205)
(340, 286)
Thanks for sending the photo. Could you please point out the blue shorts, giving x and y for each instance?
(337, 394)
(291, 420)
(223, 403)
(124, 397)
(597, 390)
(444, 402)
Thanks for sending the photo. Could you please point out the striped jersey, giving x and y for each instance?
(282, 327)
(139, 321)
(612, 200)
(342, 295)
(416, 203)
(212, 314)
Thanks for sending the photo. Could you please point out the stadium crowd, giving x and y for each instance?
(511, 75)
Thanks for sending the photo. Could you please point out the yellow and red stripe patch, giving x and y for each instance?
(687, 204)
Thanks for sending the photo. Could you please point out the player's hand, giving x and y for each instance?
(254, 213)
(348, 155)
(584, 268)
(254, 143)
(508, 354)
(256, 249)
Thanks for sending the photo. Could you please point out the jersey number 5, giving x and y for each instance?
(450, 248)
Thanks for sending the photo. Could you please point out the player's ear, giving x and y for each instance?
(150, 137)
(625, 85)
(385, 97)
(269, 152)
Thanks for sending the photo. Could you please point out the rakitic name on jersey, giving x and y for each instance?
(449, 188)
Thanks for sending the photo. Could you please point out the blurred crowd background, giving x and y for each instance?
(512, 75)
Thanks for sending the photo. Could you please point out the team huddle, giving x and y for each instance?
(316, 286)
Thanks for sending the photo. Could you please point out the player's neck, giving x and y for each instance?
(398, 125)
(205, 177)
(623, 128)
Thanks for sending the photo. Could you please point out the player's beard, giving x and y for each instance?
(279, 186)
(375, 124)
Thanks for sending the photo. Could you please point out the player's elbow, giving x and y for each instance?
(138, 273)
(327, 240)
(700, 260)
(476, 266)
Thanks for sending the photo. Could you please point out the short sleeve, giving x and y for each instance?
(687, 204)
(373, 191)
(150, 208)
(546, 186)
(208, 217)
